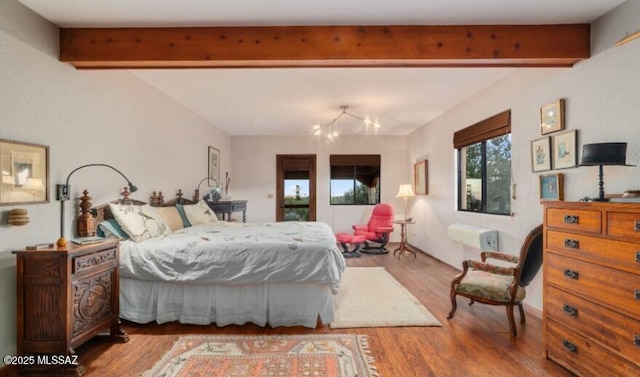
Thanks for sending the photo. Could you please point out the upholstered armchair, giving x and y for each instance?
(377, 230)
(500, 284)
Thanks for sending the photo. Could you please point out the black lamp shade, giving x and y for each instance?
(604, 154)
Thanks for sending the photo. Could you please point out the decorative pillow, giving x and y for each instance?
(139, 222)
(200, 213)
(111, 228)
(185, 221)
(171, 217)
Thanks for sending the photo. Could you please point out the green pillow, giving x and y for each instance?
(185, 220)
(109, 227)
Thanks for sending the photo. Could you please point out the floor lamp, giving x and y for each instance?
(62, 194)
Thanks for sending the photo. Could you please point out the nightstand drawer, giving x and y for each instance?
(613, 330)
(616, 252)
(613, 288)
(580, 354)
(623, 224)
(575, 219)
(106, 258)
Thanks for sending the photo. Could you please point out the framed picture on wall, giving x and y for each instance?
(541, 154)
(565, 154)
(214, 167)
(25, 173)
(420, 175)
(551, 187)
(552, 117)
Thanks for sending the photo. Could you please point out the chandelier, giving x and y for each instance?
(329, 131)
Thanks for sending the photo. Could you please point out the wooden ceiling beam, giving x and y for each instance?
(327, 46)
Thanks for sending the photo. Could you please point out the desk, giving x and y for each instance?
(227, 207)
(403, 239)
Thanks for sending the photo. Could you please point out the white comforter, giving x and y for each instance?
(238, 253)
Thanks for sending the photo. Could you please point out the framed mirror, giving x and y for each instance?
(420, 177)
(25, 173)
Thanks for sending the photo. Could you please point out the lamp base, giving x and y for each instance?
(600, 199)
(61, 242)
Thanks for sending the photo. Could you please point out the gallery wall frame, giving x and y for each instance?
(541, 154)
(421, 177)
(564, 149)
(551, 186)
(25, 173)
(552, 117)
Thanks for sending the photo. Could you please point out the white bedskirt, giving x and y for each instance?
(276, 304)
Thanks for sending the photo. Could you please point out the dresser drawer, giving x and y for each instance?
(612, 288)
(625, 254)
(583, 356)
(575, 219)
(623, 224)
(615, 331)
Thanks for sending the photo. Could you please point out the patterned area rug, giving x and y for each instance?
(371, 297)
(280, 355)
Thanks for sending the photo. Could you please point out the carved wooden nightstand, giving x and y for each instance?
(65, 297)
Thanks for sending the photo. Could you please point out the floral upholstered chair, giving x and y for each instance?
(500, 285)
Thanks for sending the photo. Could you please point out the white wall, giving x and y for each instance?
(84, 117)
(254, 161)
(601, 95)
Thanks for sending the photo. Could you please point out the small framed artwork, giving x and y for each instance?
(214, 167)
(541, 154)
(420, 173)
(551, 187)
(564, 150)
(552, 117)
(25, 173)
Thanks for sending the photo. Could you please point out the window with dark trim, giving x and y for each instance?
(355, 179)
(484, 165)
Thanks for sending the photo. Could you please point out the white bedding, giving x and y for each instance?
(238, 253)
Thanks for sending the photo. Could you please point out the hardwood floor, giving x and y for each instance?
(475, 342)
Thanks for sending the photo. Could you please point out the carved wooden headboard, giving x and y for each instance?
(157, 200)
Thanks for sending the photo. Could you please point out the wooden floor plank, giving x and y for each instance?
(475, 342)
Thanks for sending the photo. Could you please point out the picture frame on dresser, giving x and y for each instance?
(551, 186)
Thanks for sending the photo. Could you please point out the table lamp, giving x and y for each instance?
(196, 196)
(62, 194)
(405, 192)
(600, 154)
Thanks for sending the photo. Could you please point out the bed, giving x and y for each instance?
(276, 274)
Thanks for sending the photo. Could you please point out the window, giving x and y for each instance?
(355, 179)
(484, 166)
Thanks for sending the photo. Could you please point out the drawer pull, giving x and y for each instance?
(569, 346)
(638, 256)
(571, 274)
(636, 340)
(637, 225)
(570, 310)
(637, 294)
(571, 244)
(573, 219)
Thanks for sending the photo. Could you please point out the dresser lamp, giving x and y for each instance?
(62, 194)
(196, 196)
(405, 192)
(600, 154)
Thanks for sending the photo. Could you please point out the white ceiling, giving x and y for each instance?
(291, 101)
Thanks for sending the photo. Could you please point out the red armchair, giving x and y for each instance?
(377, 230)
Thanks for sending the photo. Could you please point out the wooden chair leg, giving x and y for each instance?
(522, 317)
(454, 304)
(512, 322)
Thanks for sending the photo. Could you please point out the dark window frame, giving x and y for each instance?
(355, 161)
(481, 132)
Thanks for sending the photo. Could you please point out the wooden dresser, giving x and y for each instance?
(591, 307)
(65, 297)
